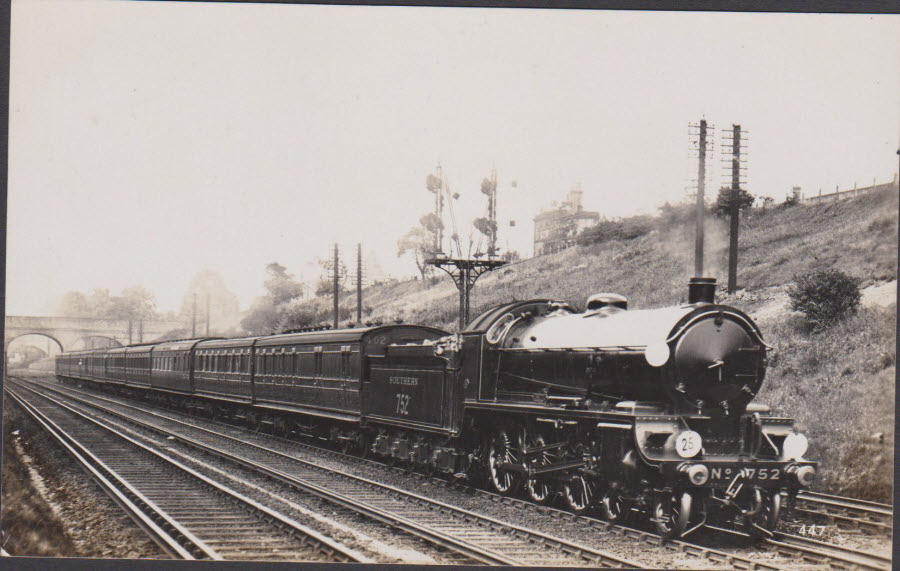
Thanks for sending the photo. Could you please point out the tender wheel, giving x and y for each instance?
(502, 450)
(767, 517)
(541, 491)
(363, 446)
(614, 508)
(579, 494)
(671, 514)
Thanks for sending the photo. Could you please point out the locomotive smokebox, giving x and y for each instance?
(702, 290)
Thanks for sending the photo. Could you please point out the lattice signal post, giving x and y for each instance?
(465, 272)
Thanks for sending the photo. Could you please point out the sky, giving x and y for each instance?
(150, 140)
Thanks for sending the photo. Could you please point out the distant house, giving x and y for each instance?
(556, 229)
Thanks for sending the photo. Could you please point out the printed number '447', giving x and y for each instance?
(403, 404)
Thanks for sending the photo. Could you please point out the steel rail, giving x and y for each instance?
(472, 550)
(322, 544)
(856, 514)
(142, 512)
(815, 551)
(875, 507)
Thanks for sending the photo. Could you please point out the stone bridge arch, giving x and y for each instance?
(7, 341)
(67, 331)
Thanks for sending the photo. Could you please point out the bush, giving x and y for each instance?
(722, 207)
(790, 200)
(824, 296)
(625, 229)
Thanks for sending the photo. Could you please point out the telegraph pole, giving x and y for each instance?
(207, 314)
(194, 316)
(359, 283)
(701, 206)
(336, 271)
(735, 145)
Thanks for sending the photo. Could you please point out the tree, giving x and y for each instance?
(417, 243)
(224, 308)
(268, 311)
(280, 285)
(325, 285)
(824, 296)
(135, 303)
(723, 201)
(295, 316)
(73, 304)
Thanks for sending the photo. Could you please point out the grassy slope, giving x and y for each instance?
(858, 236)
(838, 384)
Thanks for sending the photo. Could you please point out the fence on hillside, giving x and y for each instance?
(838, 194)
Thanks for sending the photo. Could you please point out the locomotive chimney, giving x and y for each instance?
(702, 290)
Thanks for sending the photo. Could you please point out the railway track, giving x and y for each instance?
(848, 513)
(818, 552)
(189, 515)
(795, 547)
(479, 538)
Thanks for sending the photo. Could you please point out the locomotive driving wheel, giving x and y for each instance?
(763, 522)
(671, 513)
(541, 490)
(579, 493)
(614, 507)
(503, 449)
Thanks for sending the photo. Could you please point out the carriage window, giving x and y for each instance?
(345, 360)
(318, 353)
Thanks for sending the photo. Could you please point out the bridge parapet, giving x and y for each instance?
(67, 331)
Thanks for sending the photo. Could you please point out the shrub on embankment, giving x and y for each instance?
(838, 384)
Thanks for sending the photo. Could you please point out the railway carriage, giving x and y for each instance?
(115, 366)
(608, 409)
(137, 365)
(222, 369)
(171, 366)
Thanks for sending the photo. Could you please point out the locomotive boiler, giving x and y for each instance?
(610, 409)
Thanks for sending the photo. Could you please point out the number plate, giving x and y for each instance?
(727, 473)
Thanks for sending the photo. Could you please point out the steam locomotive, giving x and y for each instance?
(610, 409)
